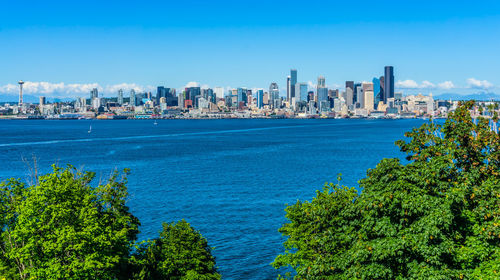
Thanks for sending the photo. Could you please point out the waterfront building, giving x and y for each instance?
(388, 83)
(293, 82)
(119, 100)
(41, 100)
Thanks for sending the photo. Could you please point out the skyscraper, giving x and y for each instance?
(388, 83)
(322, 93)
(260, 98)
(360, 96)
(368, 96)
(288, 90)
(242, 95)
(321, 82)
(219, 92)
(94, 93)
(274, 95)
(120, 97)
(293, 82)
(376, 91)
(349, 84)
(301, 92)
(132, 101)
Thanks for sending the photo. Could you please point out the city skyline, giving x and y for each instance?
(436, 47)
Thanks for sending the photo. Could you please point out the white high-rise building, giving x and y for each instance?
(219, 92)
(368, 96)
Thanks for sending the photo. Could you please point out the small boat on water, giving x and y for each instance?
(90, 129)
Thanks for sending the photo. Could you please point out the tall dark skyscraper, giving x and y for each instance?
(349, 84)
(388, 83)
(293, 81)
(382, 88)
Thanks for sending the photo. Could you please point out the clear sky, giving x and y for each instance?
(67, 47)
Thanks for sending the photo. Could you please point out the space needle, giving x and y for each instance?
(20, 93)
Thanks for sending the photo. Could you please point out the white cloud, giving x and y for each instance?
(407, 84)
(475, 83)
(411, 84)
(192, 84)
(446, 85)
(427, 84)
(49, 89)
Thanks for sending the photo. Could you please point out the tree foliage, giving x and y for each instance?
(62, 227)
(436, 217)
(180, 252)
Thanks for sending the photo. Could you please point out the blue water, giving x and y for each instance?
(231, 179)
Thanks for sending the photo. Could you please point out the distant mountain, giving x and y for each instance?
(480, 96)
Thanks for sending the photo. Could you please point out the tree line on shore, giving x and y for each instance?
(435, 216)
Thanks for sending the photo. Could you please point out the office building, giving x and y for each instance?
(288, 90)
(388, 83)
(376, 90)
(359, 100)
(321, 82)
(219, 92)
(260, 98)
(349, 96)
(274, 94)
(119, 100)
(368, 103)
(41, 100)
(301, 92)
(94, 94)
(242, 95)
(293, 82)
(132, 100)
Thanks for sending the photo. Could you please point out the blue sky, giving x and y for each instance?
(63, 48)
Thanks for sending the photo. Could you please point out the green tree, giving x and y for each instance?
(63, 228)
(436, 217)
(180, 252)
